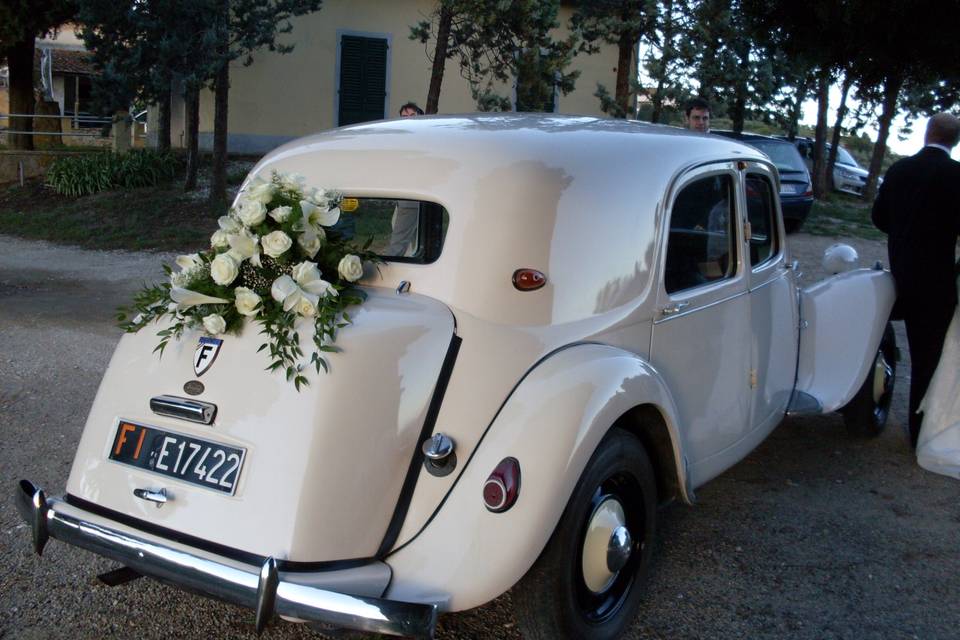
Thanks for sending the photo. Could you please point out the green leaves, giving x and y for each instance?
(90, 173)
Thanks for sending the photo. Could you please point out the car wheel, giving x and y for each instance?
(792, 225)
(866, 414)
(587, 583)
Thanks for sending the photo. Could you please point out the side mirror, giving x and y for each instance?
(840, 257)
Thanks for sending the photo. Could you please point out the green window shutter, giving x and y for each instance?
(363, 79)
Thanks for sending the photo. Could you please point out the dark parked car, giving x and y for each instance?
(796, 188)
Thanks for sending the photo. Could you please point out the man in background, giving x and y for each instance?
(405, 223)
(410, 109)
(918, 207)
(698, 115)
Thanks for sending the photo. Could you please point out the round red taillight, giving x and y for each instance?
(502, 487)
(528, 279)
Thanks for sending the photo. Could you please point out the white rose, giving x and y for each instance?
(291, 181)
(214, 324)
(317, 196)
(305, 272)
(228, 224)
(276, 244)
(243, 246)
(310, 243)
(188, 262)
(280, 214)
(219, 239)
(246, 301)
(305, 308)
(262, 193)
(350, 268)
(252, 212)
(224, 269)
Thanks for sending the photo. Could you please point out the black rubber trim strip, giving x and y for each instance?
(413, 471)
(483, 437)
(211, 547)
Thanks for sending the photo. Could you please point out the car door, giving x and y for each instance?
(701, 334)
(773, 302)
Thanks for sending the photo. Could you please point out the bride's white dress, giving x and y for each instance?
(938, 447)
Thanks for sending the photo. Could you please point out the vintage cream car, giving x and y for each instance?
(591, 318)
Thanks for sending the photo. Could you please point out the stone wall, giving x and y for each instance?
(35, 163)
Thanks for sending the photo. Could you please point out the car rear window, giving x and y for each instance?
(784, 155)
(398, 230)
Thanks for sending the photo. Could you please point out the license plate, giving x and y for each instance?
(200, 462)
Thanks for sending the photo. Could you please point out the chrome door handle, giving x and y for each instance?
(674, 308)
(150, 495)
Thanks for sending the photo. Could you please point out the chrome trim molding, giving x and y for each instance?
(262, 589)
(184, 408)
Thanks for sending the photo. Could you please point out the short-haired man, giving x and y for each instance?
(405, 223)
(698, 115)
(410, 109)
(918, 207)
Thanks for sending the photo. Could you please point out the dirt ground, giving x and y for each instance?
(815, 535)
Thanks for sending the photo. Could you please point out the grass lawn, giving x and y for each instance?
(160, 218)
(842, 215)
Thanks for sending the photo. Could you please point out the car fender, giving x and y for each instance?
(551, 423)
(842, 322)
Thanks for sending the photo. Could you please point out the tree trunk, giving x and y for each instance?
(891, 93)
(738, 112)
(838, 127)
(192, 99)
(439, 58)
(657, 103)
(624, 66)
(163, 126)
(20, 63)
(797, 110)
(820, 145)
(218, 179)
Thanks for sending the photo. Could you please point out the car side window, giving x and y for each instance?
(760, 214)
(700, 247)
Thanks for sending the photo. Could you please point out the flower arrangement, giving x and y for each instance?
(266, 264)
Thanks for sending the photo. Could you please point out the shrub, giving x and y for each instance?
(90, 173)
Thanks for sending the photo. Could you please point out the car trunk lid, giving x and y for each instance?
(322, 468)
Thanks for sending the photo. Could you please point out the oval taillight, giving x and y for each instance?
(528, 279)
(502, 487)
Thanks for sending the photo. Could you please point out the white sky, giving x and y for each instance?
(907, 147)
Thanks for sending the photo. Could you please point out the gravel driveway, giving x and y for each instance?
(815, 535)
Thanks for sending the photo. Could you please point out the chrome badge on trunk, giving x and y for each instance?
(206, 353)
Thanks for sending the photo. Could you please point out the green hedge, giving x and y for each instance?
(90, 173)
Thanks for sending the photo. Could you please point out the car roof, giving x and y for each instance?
(579, 198)
(746, 136)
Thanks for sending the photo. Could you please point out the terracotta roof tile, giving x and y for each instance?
(67, 61)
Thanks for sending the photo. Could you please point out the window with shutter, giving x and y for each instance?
(363, 79)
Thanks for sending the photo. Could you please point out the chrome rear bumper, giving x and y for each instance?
(263, 589)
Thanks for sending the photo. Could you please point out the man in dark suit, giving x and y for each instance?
(918, 207)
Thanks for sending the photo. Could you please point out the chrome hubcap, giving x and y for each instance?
(882, 373)
(607, 545)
